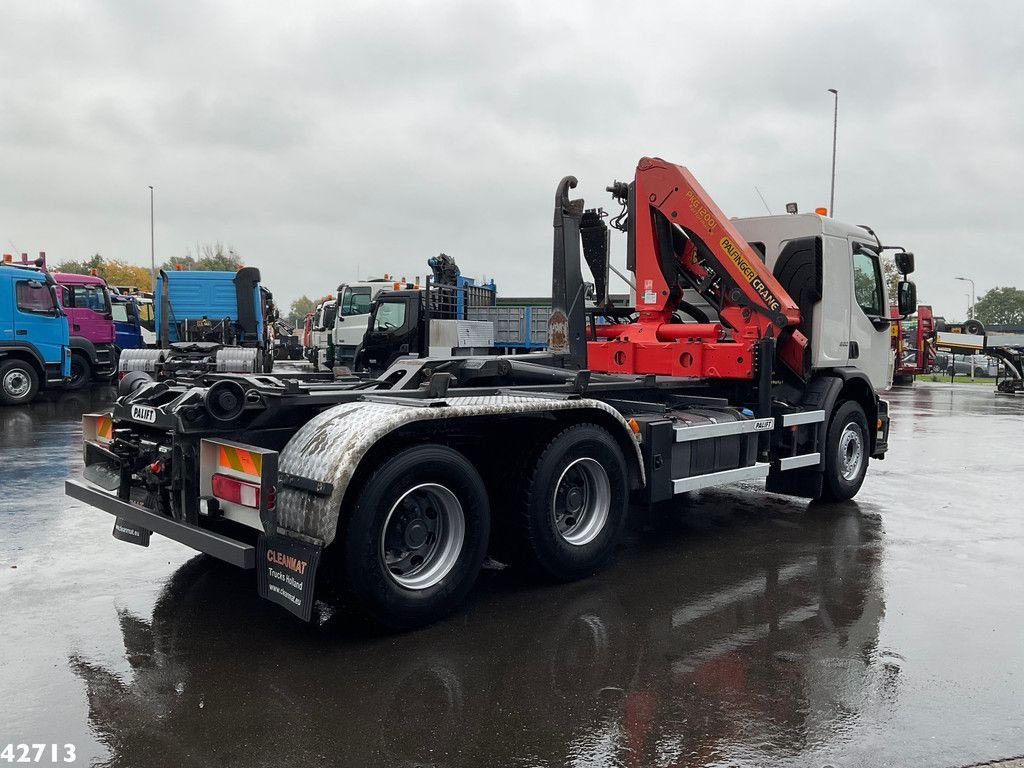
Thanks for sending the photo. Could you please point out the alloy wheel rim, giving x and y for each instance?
(16, 383)
(581, 501)
(422, 536)
(851, 452)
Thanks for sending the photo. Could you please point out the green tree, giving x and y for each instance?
(299, 309)
(1001, 306)
(891, 276)
(211, 257)
(114, 271)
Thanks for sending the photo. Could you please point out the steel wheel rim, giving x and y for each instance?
(16, 383)
(581, 501)
(851, 452)
(422, 536)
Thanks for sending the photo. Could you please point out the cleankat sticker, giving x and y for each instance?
(144, 413)
(286, 573)
(749, 273)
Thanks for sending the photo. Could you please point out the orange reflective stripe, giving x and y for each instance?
(239, 460)
(104, 427)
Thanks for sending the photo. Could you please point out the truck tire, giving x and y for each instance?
(81, 373)
(416, 537)
(576, 498)
(847, 449)
(19, 382)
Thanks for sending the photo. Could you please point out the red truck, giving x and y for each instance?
(912, 344)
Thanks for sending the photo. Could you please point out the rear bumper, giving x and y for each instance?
(214, 544)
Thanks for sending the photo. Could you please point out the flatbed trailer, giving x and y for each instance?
(395, 489)
(1008, 348)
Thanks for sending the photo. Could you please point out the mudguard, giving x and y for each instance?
(326, 451)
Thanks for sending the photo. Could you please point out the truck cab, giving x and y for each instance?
(34, 338)
(319, 348)
(208, 321)
(352, 316)
(835, 269)
(86, 302)
(127, 322)
(430, 321)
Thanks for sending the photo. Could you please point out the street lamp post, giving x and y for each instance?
(968, 280)
(835, 126)
(152, 241)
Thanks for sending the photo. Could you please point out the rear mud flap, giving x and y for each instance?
(131, 532)
(286, 572)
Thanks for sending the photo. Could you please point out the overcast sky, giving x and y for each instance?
(326, 140)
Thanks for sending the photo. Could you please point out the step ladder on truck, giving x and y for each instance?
(395, 489)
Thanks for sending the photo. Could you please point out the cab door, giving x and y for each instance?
(393, 331)
(38, 321)
(870, 335)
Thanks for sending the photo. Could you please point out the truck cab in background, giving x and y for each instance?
(320, 338)
(208, 321)
(431, 321)
(34, 351)
(353, 314)
(127, 322)
(86, 302)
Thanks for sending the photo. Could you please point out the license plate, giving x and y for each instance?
(286, 572)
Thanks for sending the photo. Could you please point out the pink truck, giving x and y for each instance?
(86, 301)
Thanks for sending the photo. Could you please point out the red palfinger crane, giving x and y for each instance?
(680, 239)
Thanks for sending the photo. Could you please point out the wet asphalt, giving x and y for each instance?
(735, 628)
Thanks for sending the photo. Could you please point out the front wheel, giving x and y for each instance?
(576, 500)
(81, 372)
(847, 450)
(19, 382)
(416, 536)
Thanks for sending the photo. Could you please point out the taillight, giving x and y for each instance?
(236, 491)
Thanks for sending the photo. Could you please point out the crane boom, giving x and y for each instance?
(679, 238)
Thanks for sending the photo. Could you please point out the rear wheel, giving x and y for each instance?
(847, 451)
(19, 382)
(81, 372)
(576, 500)
(416, 536)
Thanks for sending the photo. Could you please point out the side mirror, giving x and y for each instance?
(904, 262)
(906, 298)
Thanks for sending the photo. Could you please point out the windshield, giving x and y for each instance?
(355, 301)
(389, 315)
(94, 297)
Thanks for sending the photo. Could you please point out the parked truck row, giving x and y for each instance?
(754, 349)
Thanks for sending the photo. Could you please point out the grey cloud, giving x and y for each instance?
(323, 138)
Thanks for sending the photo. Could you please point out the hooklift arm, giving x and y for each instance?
(679, 238)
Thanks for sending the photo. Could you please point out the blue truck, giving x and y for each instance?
(127, 322)
(208, 322)
(34, 339)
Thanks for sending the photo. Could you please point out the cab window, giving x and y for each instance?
(355, 301)
(88, 297)
(34, 296)
(146, 319)
(120, 312)
(389, 315)
(867, 282)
